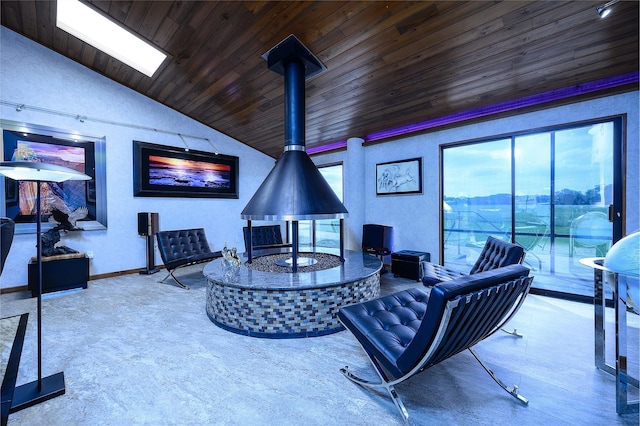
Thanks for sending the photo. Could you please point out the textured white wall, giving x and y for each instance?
(36, 76)
(415, 217)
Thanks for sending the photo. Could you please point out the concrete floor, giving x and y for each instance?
(136, 351)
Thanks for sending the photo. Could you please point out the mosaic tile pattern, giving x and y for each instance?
(285, 313)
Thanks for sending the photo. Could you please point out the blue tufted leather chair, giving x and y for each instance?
(267, 236)
(495, 254)
(184, 247)
(409, 331)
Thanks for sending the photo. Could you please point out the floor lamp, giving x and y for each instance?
(48, 387)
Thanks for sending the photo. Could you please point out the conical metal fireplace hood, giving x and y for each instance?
(294, 189)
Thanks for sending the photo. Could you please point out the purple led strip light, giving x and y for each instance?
(326, 147)
(552, 95)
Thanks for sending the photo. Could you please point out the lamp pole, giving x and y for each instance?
(42, 389)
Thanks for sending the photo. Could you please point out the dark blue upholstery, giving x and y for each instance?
(432, 273)
(386, 326)
(7, 229)
(184, 247)
(495, 254)
(398, 329)
(266, 236)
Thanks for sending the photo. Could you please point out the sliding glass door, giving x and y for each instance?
(477, 201)
(548, 191)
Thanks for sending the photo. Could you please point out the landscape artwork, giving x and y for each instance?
(180, 172)
(166, 171)
(64, 196)
(57, 198)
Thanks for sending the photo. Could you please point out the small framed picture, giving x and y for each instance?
(399, 177)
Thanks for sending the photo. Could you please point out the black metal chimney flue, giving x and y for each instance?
(294, 103)
(294, 189)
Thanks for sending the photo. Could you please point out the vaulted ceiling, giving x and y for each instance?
(389, 63)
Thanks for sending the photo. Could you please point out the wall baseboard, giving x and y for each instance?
(91, 278)
(13, 289)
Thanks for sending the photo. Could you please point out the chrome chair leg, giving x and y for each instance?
(382, 384)
(177, 281)
(511, 391)
(398, 402)
(513, 333)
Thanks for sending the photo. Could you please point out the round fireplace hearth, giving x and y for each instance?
(258, 303)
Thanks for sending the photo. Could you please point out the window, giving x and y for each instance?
(548, 191)
(326, 232)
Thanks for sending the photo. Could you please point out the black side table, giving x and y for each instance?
(406, 263)
(59, 273)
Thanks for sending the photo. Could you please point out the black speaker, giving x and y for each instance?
(148, 224)
(377, 238)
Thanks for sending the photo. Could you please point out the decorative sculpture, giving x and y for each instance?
(65, 222)
(230, 264)
(231, 256)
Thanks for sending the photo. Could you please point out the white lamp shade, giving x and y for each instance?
(35, 171)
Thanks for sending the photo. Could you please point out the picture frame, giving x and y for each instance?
(167, 171)
(83, 153)
(399, 177)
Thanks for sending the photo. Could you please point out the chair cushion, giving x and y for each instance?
(263, 236)
(183, 246)
(496, 254)
(387, 325)
(433, 273)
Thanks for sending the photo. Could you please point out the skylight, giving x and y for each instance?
(88, 25)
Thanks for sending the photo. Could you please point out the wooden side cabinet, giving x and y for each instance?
(59, 274)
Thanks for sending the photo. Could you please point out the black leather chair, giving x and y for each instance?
(7, 229)
(409, 331)
(184, 247)
(495, 254)
(262, 237)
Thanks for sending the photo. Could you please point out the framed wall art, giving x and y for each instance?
(166, 171)
(399, 177)
(84, 202)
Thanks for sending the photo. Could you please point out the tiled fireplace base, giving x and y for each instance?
(281, 305)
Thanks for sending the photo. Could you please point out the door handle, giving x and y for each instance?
(613, 215)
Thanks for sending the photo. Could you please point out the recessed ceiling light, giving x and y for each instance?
(90, 26)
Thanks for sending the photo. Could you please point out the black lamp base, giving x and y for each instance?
(27, 395)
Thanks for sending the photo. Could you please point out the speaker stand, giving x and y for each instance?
(151, 261)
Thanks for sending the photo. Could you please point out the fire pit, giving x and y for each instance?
(281, 262)
(288, 305)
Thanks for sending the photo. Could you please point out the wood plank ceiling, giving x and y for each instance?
(389, 63)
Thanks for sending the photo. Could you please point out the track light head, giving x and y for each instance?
(603, 12)
(605, 9)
